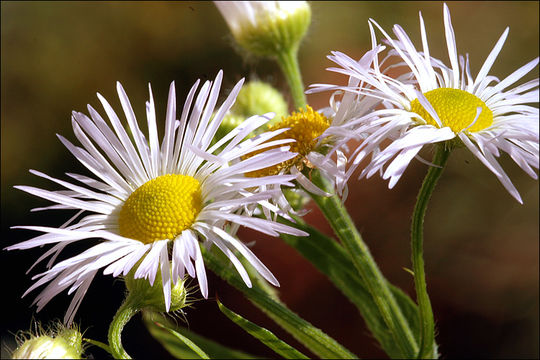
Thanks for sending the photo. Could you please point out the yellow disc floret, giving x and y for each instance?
(456, 109)
(161, 208)
(305, 127)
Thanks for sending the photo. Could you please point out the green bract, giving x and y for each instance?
(274, 35)
(150, 297)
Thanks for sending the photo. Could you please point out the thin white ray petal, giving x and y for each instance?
(165, 276)
(201, 272)
(484, 70)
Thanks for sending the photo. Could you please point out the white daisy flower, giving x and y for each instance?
(153, 202)
(315, 137)
(434, 103)
(321, 138)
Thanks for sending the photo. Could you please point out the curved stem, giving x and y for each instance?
(121, 318)
(427, 326)
(344, 228)
(288, 62)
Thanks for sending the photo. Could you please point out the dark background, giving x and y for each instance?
(481, 246)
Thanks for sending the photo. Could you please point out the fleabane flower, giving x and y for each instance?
(152, 203)
(321, 138)
(266, 28)
(433, 103)
(320, 141)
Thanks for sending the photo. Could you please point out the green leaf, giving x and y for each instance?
(313, 338)
(331, 259)
(190, 344)
(263, 335)
(179, 349)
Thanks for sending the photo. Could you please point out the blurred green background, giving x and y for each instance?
(481, 246)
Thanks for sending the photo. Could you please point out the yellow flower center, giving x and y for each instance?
(456, 109)
(161, 208)
(305, 127)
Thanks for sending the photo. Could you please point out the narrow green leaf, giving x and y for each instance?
(179, 349)
(331, 259)
(263, 335)
(313, 338)
(197, 350)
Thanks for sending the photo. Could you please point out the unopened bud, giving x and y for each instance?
(255, 98)
(266, 28)
(151, 296)
(65, 343)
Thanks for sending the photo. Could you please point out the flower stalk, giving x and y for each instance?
(427, 326)
(120, 319)
(288, 62)
(343, 226)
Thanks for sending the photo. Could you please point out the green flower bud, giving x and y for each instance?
(64, 343)
(230, 121)
(151, 297)
(257, 98)
(266, 28)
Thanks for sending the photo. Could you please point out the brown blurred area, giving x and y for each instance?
(481, 246)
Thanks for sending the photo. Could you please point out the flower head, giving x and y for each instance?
(433, 103)
(57, 343)
(318, 136)
(266, 28)
(320, 139)
(151, 201)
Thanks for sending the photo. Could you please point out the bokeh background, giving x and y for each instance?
(481, 246)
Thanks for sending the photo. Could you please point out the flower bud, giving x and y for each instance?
(255, 98)
(151, 296)
(65, 344)
(230, 121)
(266, 28)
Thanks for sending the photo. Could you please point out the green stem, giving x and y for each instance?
(427, 326)
(344, 227)
(311, 337)
(122, 317)
(288, 62)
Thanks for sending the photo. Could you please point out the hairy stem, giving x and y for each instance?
(427, 326)
(288, 62)
(121, 318)
(343, 226)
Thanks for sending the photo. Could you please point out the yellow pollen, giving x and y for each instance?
(305, 127)
(161, 208)
(456, 109)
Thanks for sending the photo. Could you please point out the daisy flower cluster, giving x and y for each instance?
(154, 207)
